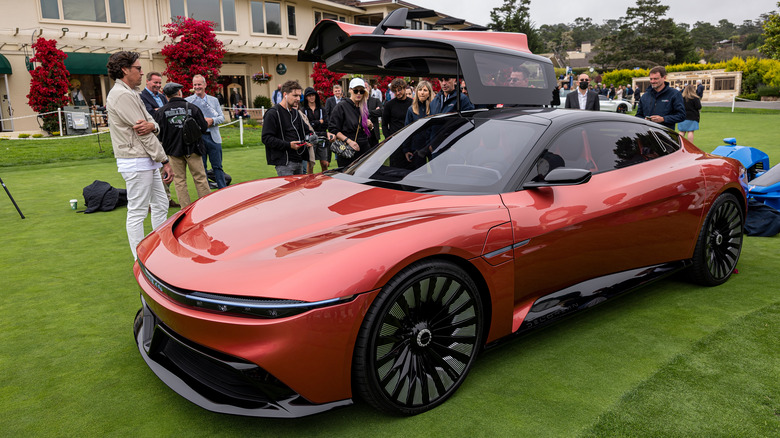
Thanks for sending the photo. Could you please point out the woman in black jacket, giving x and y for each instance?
(692, 109)
(315, 113)
(350, 121)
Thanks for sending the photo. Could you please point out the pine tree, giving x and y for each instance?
(771, 47)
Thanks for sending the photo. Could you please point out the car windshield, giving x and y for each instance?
(449, 153)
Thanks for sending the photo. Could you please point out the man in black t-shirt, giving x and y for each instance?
(394, 116)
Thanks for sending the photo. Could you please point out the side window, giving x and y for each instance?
(602, 146)
(496, 70)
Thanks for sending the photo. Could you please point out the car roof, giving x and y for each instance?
(484, 59)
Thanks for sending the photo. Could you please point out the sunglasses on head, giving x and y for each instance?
(358, 91)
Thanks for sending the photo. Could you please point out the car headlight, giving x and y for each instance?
(256, 307)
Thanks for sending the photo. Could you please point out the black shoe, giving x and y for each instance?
(173, 204)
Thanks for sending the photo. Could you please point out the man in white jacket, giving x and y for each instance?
(139, 154)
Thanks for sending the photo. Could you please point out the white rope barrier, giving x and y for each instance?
(55, 137)
(107, 132)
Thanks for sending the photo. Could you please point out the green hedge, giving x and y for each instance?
(262, 102)
(764, 90)
(756, 73)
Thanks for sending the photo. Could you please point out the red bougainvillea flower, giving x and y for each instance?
(196, 50)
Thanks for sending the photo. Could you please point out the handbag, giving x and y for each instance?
(342, 149)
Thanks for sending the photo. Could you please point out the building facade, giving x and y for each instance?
(719, 85)
(259, 36)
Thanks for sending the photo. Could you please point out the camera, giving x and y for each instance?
(311, 138)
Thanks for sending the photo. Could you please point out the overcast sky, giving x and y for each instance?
(565, 11)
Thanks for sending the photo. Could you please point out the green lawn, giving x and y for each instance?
(671, 359)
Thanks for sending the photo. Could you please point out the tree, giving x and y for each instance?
(646, 37)
(513, 16)
(324, 80)
(704, 35)
(49, 84)
(198, 52)
(584, 30)
(771, 46)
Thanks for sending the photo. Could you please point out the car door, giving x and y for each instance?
(641, 207)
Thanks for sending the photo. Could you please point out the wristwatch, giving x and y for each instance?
(164, 162)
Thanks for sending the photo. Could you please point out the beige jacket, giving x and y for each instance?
(125, 108)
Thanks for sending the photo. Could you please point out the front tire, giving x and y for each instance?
(719, 243)
(419, 339)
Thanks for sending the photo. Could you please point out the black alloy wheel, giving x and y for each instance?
(419, 339)
(622, 109)
(719, 243)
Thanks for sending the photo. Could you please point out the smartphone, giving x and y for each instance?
(648, 117)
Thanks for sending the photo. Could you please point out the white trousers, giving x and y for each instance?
(144, 191)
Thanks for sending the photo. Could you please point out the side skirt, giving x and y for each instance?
(560, 304)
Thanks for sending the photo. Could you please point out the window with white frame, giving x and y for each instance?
(221, 12)
(267, 18)
(103, 11)
(326, 15)
(291, 30)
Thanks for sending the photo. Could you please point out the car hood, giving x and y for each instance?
(282, 236)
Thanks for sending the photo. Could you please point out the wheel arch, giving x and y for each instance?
(741, 196)
(474, 273)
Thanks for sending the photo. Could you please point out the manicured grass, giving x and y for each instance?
(672, 359)
(709, 390)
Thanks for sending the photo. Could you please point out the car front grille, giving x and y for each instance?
(221, 378)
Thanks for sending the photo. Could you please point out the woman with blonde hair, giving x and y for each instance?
(421, 105)
(350, 122)
(692, 109)
(414, 151)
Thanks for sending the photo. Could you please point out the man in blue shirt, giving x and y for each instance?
(445, 101)
(212, 111)
(153, 99)
(151, 95)
(661, 103)
(277, 96)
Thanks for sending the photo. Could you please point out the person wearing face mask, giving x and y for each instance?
(583, 98)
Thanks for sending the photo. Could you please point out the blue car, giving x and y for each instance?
(763, 181)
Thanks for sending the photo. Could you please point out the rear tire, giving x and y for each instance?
(719, 243)
(419, 339)
(622, 109)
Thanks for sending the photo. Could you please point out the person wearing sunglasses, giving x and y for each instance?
(351, 123)
(584, 98)
(140, 157)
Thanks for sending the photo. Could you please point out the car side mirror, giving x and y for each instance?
(561, 176)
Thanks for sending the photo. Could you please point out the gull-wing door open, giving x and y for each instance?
(497, 66)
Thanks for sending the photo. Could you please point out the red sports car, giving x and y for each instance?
(290, 296)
